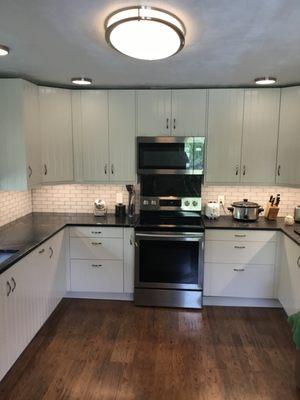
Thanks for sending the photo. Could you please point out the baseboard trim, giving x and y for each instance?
(240, 302)
(100, 296)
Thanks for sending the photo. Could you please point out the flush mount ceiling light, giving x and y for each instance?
(265, 81)
(4, 50)
(145, 33)
(81, 81)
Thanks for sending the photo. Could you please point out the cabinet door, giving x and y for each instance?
(189, 112)
(289, 276)
(32, 135)
(260, 133)
(122, 135)
(4, 364)
(153, 112)
(225, 125)
(128, 260)
(94, 114)
(56, 131)
(288, 165)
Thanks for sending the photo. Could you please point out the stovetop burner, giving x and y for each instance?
(170, 221)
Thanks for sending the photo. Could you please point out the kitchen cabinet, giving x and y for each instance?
(189, 112)
(129, 260)
(260, 133)
(240, 264)
(224, 139)
(20, 153)
(29, 292)
(289, 275)
(153, 112)
(288, 165)
(122, 134)
(56, 134)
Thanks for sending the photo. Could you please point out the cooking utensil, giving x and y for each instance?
(245, 210)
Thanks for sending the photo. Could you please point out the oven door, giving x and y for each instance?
(170, 155)
(169, 260)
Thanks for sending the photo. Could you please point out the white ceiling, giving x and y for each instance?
(228, 43)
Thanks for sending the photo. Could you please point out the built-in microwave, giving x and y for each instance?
(170, 155)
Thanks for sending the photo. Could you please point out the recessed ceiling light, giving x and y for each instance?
(145, 33)
(81, 81)
(4, 50)
(265, 81)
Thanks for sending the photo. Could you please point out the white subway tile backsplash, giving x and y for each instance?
(14, 205)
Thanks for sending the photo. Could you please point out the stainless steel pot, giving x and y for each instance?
(245, 210)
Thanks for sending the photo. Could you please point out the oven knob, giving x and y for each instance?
(187, 203)
(153, 202)
(195, 203)
(145, 202)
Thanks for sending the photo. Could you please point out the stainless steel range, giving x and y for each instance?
(169, 242)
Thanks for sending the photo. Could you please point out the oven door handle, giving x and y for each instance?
(189, 236)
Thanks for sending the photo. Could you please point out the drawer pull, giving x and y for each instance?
(298, 262)
(239, 247)
(95, 232)
(239, 236)
(239, 269)
(96, 243)
(41, 251)
(96, 265)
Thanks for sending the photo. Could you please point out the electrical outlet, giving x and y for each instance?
(221, 199)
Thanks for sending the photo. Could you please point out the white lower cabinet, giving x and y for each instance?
(289, 275)
(239, 263)
(129, 260)
(29, 292)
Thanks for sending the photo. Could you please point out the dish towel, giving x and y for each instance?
(294, 322)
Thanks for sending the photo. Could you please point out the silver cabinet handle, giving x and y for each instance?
(244, 170)
(136, 244)
(278, 170)
(8, 291)
(174, 123)
(96, 265)
(51, 252)
(167, 125)
(112, 168)
(240, 236)
(105, 169)
(14, 283)
(96, 243)
(95, 232)
(41, 251)
(239, 269)
(239, 247)
(298, 262)
(131, 241)
(29, 171)
(45, 169)
(236, 170)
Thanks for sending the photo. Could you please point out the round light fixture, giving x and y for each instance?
(145, 33)
(4, 50)
(265, 81)
(81, 81)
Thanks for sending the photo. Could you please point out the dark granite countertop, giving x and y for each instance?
(27, 233)
(227, 222)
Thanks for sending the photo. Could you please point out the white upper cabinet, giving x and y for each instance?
(92, 137)
(225, 126)
(288, 164)
(260, 133)
(122, 134)
(153, 112)
(189, 112)
(56, 132)
(20, 154)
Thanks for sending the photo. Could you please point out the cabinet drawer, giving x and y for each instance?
(240, 235)
(238, 280)
(96, 231)
(97, 276)
(98, 248)
(240, 252)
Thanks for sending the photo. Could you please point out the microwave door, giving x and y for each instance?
(198, 155)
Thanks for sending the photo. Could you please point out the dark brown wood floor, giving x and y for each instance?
(91, 349)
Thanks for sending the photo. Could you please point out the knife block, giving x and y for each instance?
(272, 213)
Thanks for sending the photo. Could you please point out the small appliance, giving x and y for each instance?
(120, 210)
(297, 214)
(212, 210)
(100, 209)
(245, 210)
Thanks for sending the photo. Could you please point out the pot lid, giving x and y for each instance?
(246, 204)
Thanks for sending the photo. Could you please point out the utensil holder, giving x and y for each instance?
(272, 213)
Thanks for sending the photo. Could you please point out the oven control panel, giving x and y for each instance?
(170, 203)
